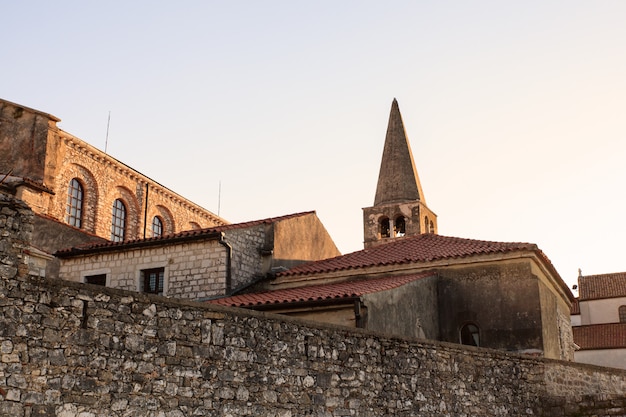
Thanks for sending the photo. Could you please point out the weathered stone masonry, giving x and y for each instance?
(74, 350)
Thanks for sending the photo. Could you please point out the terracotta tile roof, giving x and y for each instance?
(421, 248)
(198, 234)
(593, 287)
(575, 309)
(600, 336)
(324, 292)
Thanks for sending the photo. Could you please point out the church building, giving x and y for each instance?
(410, 281)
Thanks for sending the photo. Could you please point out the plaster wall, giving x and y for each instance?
(605, 310)
(301, 239)
(410, 310)
(503, 300)
(613, 358)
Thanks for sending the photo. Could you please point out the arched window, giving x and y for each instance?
(157, 226)
(426, 225)
(384, 228)
(469, 335)
(432, 227)
(400, 226)
(118, 221)
(74, 209)
(622, 314)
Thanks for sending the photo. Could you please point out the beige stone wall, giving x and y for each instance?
(192, 270)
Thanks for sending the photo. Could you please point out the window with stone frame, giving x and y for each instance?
(118, 221)
(98, 279)
(74, 207)
(157, 226)
(153, 280)
(622, 314)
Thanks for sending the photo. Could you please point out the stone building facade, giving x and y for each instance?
(202, 263)
(61, 177)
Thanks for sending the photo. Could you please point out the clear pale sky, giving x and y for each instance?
(515, 110)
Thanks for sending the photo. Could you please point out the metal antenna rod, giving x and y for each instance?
(219, 198)
(106, 140)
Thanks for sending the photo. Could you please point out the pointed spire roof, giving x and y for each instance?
(397, 180)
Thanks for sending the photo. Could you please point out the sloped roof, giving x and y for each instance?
(600, 336)
(198, 234)
(317, 293)
(575, 309)
(412, 249)
(397, 179)
(592, 287)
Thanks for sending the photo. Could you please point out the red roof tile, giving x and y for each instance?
(421, 248)
(206, 233)
(324, 292)
(600, 336)
(593, 287)
(575, 309)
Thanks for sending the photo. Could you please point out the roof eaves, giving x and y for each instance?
(134, 244)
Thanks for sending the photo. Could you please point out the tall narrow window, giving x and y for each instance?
(400, 226)
(470, 335)
(152, 280)
(118, 221)
(426, 225)
(74, 209)
(431, 229)
(622, 314)
(384, 228)
(157, 227)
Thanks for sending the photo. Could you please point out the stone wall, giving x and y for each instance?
(77, 350)
(16, 230)
(193, 270)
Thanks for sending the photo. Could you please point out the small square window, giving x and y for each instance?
(152, 280)
(99, 279)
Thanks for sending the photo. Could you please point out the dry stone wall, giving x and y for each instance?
(75, 350)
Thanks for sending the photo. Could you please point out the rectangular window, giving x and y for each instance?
(100, 279)
(152, 280)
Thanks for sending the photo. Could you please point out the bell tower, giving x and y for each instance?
(399, 206)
